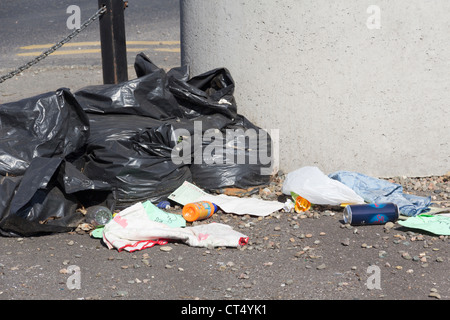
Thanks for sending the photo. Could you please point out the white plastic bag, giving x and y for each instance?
(316, 187)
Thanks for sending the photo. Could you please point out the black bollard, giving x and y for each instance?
(113, 41)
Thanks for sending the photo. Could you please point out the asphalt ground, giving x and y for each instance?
(289, 257)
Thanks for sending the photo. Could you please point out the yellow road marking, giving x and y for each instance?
(82, 51)
(97, 43)
(177, 50)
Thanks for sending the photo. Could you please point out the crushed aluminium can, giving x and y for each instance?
(374, 213)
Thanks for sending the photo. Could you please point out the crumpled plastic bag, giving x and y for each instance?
(38, 201)
(313, 185)
(374, 190)
(136, 163)
(49, 125)
(132, 229)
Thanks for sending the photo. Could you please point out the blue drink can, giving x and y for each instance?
(374, 213)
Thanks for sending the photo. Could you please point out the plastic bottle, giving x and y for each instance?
(98, 215)
(198, 210)
(301, 204)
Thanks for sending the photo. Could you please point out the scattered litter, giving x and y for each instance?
(313, 185)
(301, 204)
(376, 213)
(199, 210)
(98, 215)
(288, 206)
(374, 190)
(132, 229)
(436, 224)
(163, 205)
(188, 193)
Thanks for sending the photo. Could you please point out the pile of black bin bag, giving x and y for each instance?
(112, 145)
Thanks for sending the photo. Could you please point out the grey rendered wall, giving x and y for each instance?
(351, 84)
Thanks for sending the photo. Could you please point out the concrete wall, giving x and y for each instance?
(347, 90)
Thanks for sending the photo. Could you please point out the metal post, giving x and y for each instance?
(113, 42)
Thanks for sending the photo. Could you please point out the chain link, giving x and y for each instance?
(58, 45)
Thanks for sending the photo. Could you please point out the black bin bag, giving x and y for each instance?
(37, 203)
(36, 135)
(146, 96)
(239, 155)
(48, 125)
(133, 155)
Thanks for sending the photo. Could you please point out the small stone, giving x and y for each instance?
(440, 259)
(243, 276)
(346, 242)
(146, 262)
(406, 256)
(388, 226)
(70, 243)
(321, 267)
(434, 295)
(120, 294)
(165, 248)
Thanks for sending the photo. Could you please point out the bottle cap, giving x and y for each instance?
(189, 214)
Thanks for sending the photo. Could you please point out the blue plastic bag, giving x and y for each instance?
(374, 190)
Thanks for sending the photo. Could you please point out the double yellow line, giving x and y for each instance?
(159, 46)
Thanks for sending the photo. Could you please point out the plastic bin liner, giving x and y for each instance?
(145, 96)
(36, 202)
(136, 163)
(231, 157)
(208, 93)
(48, 125)
(144, 66)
